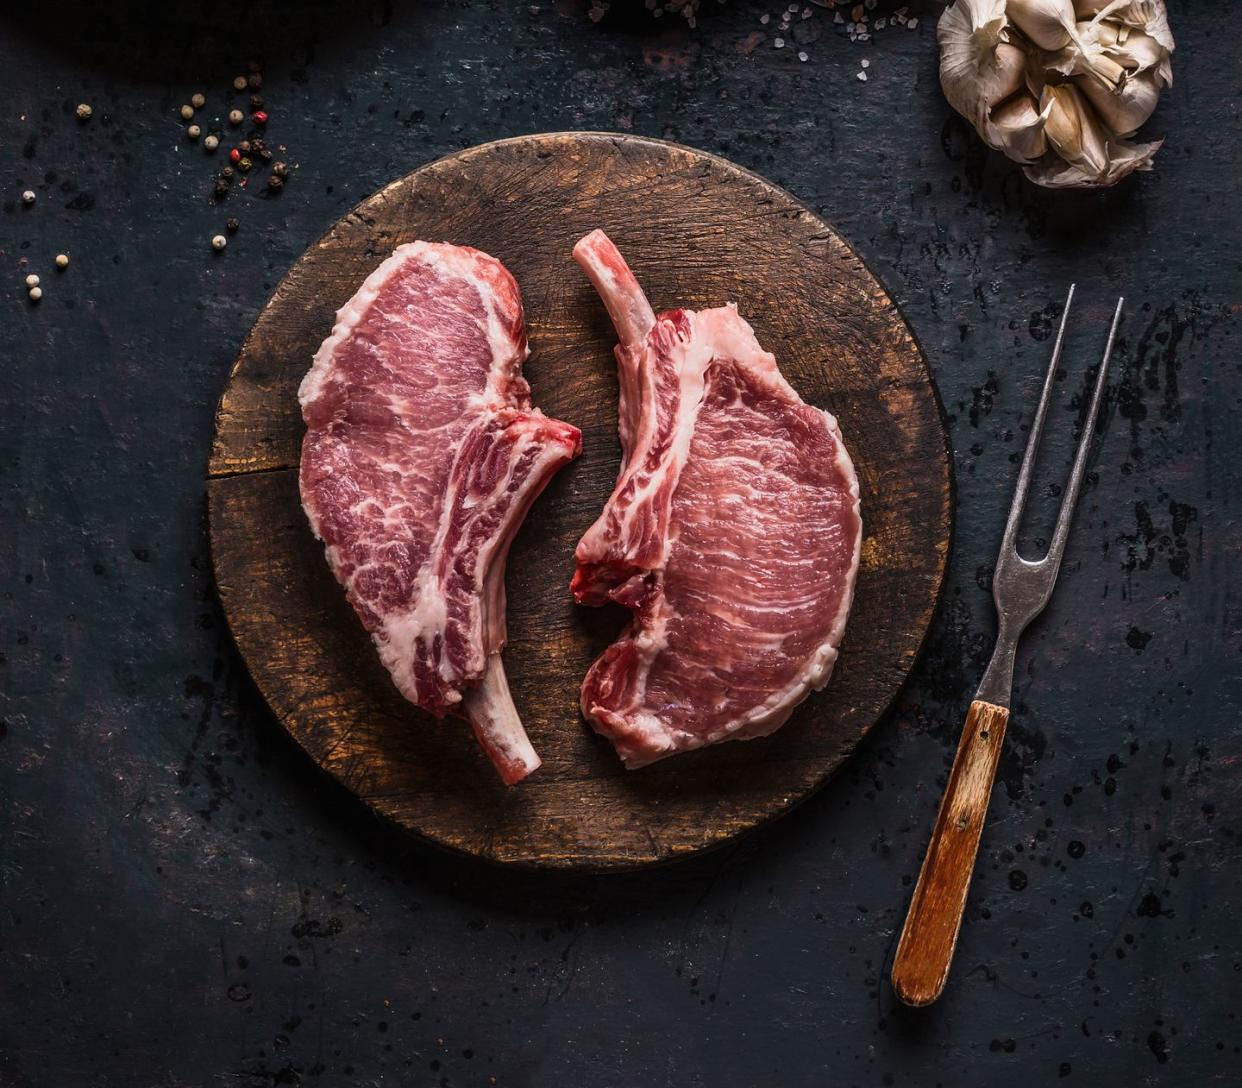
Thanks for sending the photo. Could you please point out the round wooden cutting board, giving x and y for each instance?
(698, 232)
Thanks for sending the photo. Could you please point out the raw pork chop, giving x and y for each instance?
(732, 534)
(422, 456)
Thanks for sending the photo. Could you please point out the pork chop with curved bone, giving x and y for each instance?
(732, 533)
(421, 458)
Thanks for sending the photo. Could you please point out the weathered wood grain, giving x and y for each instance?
(929, 937)
(698, 232)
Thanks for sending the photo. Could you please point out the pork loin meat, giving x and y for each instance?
(732, 534)
(421, 458)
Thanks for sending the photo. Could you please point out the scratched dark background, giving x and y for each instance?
(185, 901)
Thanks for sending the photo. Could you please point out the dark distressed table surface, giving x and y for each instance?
(185, 901)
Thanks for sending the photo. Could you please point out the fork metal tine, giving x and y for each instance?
(1066, 514)
(1009, 543)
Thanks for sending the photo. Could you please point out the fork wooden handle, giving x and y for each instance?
(930, 933)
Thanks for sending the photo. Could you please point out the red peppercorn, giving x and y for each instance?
(234, 156)
(259, 117)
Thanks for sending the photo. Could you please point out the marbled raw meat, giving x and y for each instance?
(732, 534)
(421, 458)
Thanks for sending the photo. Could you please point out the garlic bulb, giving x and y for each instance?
(1058, 85)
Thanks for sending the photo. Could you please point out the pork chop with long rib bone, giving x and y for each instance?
(421, 459)
(732, 533)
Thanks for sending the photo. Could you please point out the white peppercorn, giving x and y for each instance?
(219, 242)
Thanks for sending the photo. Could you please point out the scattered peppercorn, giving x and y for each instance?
(245, 147)
(187, 112)
(62, 261)
(256, 101)
(236, 117)
(255, 81)
(254, 67)
(259, 117)
(84, 112)
(234, 156)
(231, 225)
(28, 197)
(227, 173)
(211, 143)
(244, 164)
(280, 169)
(36, 293)
(219, 242)
(275, 182)
(239, 83)
(32, 280)
(265, 154)
(221, 189)
(193, 131)
(198, 101)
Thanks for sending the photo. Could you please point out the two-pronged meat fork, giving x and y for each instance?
(1020, 588)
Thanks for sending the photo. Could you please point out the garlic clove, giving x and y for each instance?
(1016, 127)
(1123, 159)
(1048, 23)
(1073, 129)
(1129, 105)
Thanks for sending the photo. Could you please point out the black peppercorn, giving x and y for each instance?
(245, 147)
(256, 101)
(227, 173)
(232, 225)
(221, 188)
(279, 169)
(255, 81)
(265, 155)
(275, 182)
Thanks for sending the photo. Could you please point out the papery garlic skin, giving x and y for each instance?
(1124, 159)
(1059, 85)
(1149, 16)
(978, 66)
